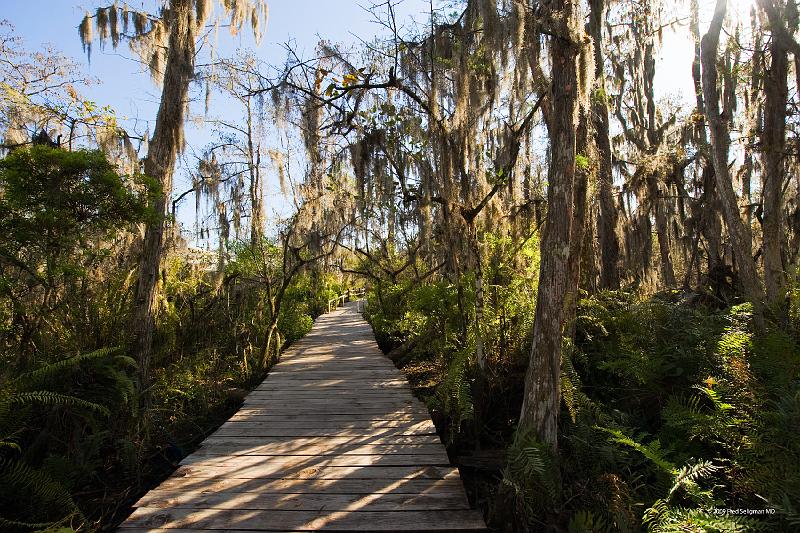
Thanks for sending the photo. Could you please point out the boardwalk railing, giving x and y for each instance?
(335, 303)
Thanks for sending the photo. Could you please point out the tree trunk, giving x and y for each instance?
(709, 216)
(662, 230)
(607, 222)
(711, 226)
(578, 225)
(542, 396)
(773, 141)
(165, 145)
(741, 236)
(256, 198)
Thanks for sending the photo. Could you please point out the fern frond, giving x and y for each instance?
(56, 399)
(50, 495)
(651, 451)
(53, 370)
(532, 471)
(688, 475)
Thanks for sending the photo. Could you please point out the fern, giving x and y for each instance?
(686, 478)
(651, 451)
(54, 370)
(455, 391)
(49, 398)
(570, 380)
(587, 522)
(532, 475)
(42, 492)
(682, 520)
(50, 496)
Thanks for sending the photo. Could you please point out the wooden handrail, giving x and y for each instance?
(342, 298)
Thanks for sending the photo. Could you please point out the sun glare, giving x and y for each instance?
(741, 8)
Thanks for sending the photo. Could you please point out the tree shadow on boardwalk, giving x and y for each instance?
(332, 440)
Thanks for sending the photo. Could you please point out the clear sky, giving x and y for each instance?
(129, 90)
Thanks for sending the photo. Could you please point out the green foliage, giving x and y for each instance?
(212, 334)
(531, 477)
(60, 216)
(55, 201)
(586, 522)
(700, 390)
(69, 400)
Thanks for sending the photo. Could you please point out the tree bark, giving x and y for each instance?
(662, 231)
(709, 216)
(542, 397)
(579, 223)
(741, 236)
(254, 164)
(165, 146)
(773, 141)
(607, 222)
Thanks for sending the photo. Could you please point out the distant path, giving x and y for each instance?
(332, 440)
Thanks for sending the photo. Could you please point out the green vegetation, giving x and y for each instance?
(672, 412)
(78, 437)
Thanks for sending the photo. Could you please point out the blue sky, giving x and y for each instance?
(129, 90)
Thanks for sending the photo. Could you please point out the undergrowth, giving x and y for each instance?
(675, 417)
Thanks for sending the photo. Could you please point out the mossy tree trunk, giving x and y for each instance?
(607, 221)
(773, 141)
(164, 148)
(740, 235)
(542, 395)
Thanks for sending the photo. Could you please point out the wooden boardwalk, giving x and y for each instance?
(332, 440)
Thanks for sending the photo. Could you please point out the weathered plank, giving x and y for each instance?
(304, 502)
(286, 462)
(302, 485)
(433, 450)
(244, 430)
(311, 471)
(322, 422)
(322, 520)
(270, 414)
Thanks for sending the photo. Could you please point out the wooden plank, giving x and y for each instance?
(307, 461)
(321, 449)
(305, 502)
(321, 392)
(323, 520)
(303, 423)
(427, 444)
(337, 440)
(344, 412)
(338, 409)
(400, 408)
(316, 486)
(254, 411)
(280, 416)
(333, 386)
(322, 422)
(368, 360)
(398, 401)
(266, 431)
(391, 373)
(267, 471)
(335, 370)
(332, 393)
